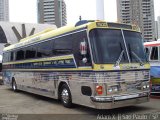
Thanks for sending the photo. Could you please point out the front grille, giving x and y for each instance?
(122, 76)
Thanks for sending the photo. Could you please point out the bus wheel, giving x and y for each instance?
(65, 96)
(14, 86)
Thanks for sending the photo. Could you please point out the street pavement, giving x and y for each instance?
(27, 106)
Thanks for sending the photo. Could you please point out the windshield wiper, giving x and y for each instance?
(136, 56)
(119, 58)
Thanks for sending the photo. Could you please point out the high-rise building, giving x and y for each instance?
(139, 12)
(156, 30)
(4, 10)
(158, 26)
(52, 12)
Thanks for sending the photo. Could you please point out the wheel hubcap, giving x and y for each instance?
(65, 95)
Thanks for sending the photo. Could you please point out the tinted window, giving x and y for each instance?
(135, 46)
(154, 53)
(107, 46)
(5, 57)
(63, 46)
(12, 56)
(45, 49)
(30, 52)
(20, 55)
(77, 39)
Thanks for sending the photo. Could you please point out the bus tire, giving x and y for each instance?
(14, 85)
(65, 96)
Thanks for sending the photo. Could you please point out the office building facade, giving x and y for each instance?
(158, 27)
(139, 12)
(4, 10)
(52, 12)
(156, 30)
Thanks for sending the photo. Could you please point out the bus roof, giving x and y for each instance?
(48, 33)
(152, 44)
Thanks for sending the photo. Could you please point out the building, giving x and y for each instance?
(139, 12)
(4, 10)
(158, 26)
(52, 12)
(12, 32)
(156, 30)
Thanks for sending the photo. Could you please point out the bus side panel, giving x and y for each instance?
(7, 77)
(81, 87)
(41, 83)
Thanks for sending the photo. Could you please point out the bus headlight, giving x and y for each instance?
(116, 89)
(112, 89)
(145, 86)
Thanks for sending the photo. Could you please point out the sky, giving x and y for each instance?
(26, 10)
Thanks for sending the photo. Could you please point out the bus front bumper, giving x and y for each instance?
(119, 100)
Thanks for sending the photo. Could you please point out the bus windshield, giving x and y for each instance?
(110, 45)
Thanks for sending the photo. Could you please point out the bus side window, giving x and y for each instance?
(147, 51)
(154, 53)
(44, 49)
(78, 38)
(30, 53)
(6, 57)
(39, 55)
(12, 56)
(63, 46)
(20, 55)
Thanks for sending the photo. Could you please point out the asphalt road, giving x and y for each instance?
(26, 106)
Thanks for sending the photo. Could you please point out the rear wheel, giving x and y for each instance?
(65, 96)
(14, 86)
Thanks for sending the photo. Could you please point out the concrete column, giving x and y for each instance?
(100, 9)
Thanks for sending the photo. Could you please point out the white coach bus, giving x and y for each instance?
(93, 63)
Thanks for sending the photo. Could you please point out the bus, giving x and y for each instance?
(153, 53)
(0, 63)
(1, 82)
(93, 63)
